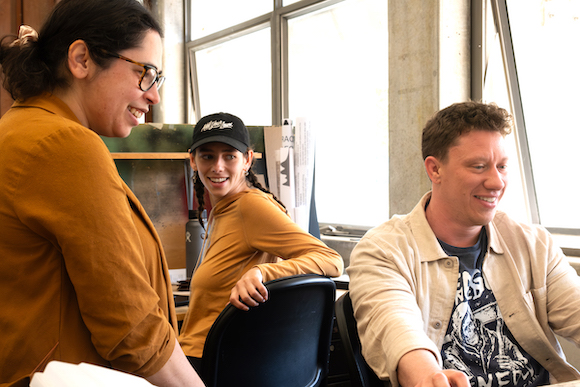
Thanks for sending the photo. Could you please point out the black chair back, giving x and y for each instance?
(284, 342)
(361, 375)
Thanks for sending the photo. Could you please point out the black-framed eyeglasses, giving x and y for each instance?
(149, 76)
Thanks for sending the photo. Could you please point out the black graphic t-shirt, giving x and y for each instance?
(478, 342)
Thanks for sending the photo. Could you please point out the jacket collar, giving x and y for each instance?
(427, 241)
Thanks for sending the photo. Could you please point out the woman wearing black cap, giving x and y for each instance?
(250, 239)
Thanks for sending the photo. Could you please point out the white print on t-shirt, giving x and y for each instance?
(476, 342)
(469, 288)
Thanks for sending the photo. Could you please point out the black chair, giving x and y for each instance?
(361, 375)
(284, 342)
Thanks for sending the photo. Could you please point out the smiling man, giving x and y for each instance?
(456, 293)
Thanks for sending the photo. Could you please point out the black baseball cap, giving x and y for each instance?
(221, 127)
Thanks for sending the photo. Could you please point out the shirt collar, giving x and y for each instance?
(51, 104)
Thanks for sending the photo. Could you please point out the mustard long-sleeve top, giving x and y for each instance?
(249, 229)
(83, 276)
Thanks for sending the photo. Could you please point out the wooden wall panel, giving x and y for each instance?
(13, 13)
(35, 11)
(9, 14)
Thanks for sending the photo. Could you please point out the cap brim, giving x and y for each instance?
(223, 139)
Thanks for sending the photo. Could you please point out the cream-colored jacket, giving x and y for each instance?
(403, 286)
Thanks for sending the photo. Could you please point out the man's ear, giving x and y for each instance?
(79, 59)
(433, 168)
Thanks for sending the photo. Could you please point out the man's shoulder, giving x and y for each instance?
(397, 224)
(394, 233)
(502, 220)
(509, 227)
(411, 227)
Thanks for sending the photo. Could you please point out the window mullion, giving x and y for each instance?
(499, 8)
(276, 33)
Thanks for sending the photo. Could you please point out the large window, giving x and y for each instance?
(545, 36)
(208, 17)
(325, 61)
(235, 77)
(541, 54)
(338, 79)
(515, 201)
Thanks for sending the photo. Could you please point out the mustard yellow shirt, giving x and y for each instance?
(249, 229)
(83, 276)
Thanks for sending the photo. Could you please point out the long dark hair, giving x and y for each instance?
(40, 66)
(251, 180)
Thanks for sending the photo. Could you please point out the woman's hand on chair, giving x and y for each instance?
(249, 291)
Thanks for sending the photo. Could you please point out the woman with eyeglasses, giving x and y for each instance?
(83, 275)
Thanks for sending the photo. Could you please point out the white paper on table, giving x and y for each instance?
(61, 374)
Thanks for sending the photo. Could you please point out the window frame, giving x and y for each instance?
(501, 22)
(277, 20)
(567, 238)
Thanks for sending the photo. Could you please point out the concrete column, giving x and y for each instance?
(427, 38)
(172, 108)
